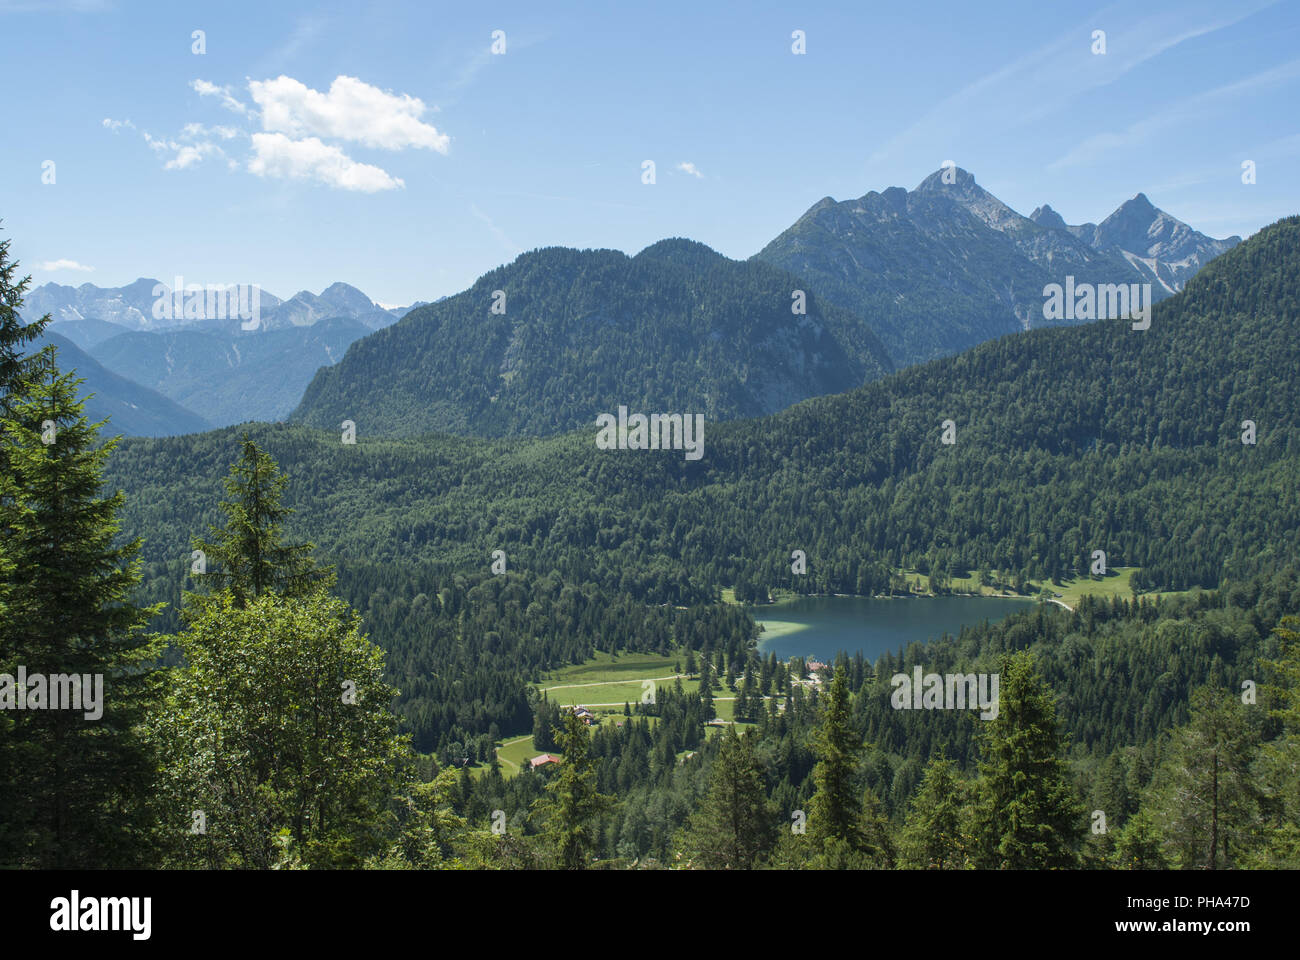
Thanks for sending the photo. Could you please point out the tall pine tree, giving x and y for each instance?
(572, 807)
(1203, 794)
(1025, 814)
(932, 834)
(79, 781)
(835, 817)
(249, 557)
(734, 826)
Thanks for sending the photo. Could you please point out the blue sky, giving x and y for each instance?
(385, 145)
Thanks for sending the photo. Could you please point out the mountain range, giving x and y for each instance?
(229, 376)
(1067, 440)
(132, 307)
(888, 280)
(948, 265)
(1166, 251)
(215, 369)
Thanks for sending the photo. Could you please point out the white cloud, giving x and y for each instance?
(298, 121)
(687, 167)
(116, 125)
(51, 265)
(275, 155)
(199, 130)
(183, 155)
(351, 110)
(205, 89)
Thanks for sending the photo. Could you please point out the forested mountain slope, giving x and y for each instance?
(1068, 440)
(676, 329)
(130, 408)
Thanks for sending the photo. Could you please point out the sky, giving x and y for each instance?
(388, 146)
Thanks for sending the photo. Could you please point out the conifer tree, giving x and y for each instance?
(78, 781)
(1203, 794)
(248, 557)
(877, 834)
(1279, 773)
(572, 806)
(1139, 844)
(836, 811)
(18, 365)
(734, 826)
(932, 833)
(706, 690)
(1025, 815)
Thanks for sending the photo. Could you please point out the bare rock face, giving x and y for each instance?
(948, 265)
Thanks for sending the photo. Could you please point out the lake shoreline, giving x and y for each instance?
(821, 625)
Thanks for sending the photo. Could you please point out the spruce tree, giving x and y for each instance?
(18, 364)
(78, 781)
(877, 833)
(1203, 794)
(572, 807)
(248, 557)
(734, 826)
(835, 816)
(706, 690)
(1279, 773)
(932, 836)
(1025, 815)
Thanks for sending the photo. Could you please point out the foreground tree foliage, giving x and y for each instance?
(77, 782)
(835, 820)
(572, 807)
(429, 834)
(734, 827)
(1203, 795)
(1279, 762)
(933, 836)
(1025, 814)
(279, 720)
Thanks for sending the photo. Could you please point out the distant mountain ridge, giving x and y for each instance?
(1162, 248)
(948, 265)
(228, 376)
(891, 279)
(130, 408)
(132, 307)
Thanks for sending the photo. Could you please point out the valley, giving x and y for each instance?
(703, 473)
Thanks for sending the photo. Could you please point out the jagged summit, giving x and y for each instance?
(948, 265)
(1047, 217)
(962, 181)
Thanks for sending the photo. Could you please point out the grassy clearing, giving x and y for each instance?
(514, 753)
(1117, 583)
(605, 697)
(605, 668)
